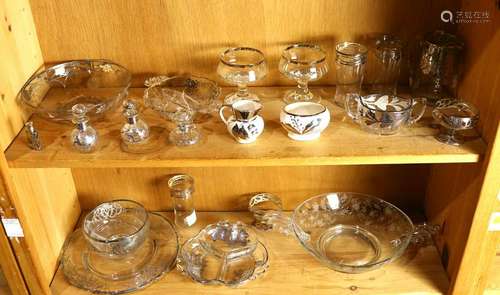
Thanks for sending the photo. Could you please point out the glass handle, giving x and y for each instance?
(423, 232)
(221, 113)
(418, 104)
(351, 106)
(261, 265)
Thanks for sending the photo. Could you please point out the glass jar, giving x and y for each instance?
(181, 190)
(436, 66)
(83, 137)
(350, 68)
(388, 53)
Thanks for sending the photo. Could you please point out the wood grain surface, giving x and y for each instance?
(48, 197)
(161, 36)
(229, 188)
(342, 143)
(293, 271)
(20, 57)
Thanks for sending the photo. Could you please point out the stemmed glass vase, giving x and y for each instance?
(303, 63)
(241, 66)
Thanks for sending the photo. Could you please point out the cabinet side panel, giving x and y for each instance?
(48, 200)
(20, 57)
(462, 197)
(228, 188)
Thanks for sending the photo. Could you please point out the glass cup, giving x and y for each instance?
(388, 53)
(384, 114)
(241, 66)
(437, 66)
(117, 227)
(350, 68)
(181, 190)
(303, 63)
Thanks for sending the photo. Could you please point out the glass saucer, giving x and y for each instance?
(197, 263)
(88, 269)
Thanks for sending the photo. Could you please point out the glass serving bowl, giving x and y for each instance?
(117, 227)
(98, 84)
(201, 94)
(349, 232)
(352, 232)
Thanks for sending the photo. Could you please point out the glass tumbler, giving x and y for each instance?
(436, 68)
(350, 63)
(181, 190)
(388, 53)
(303, 63)
(241, 66)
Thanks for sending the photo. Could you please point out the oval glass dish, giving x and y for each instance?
(99, 84)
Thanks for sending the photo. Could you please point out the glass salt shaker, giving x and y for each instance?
(388, 52)
(350, 67)
(181, 190)
(83, 137)
(135, 130)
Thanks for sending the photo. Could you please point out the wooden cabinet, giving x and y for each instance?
(455, 187)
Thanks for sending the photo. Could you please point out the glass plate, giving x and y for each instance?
(87, 269)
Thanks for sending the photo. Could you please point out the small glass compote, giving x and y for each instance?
(241, 66)
(303, 63)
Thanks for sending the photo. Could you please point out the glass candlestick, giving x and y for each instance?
(135, 130)
(83, 137)
(181, 190)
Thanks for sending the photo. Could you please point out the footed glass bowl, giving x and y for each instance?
(352, 232)
(99, 84)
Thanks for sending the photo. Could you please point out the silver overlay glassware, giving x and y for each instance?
(98, 272)
(454, 116)
(116, 227)
(241, 66)
(84, 137)
(437, 66)
(350, 62)
(352, 232)
(99, 85)
(226, 253)
(303, 63)
(181, 188)
(384, 114)
(388, 53)
(33, 137)
(245, 125)
(135, 130)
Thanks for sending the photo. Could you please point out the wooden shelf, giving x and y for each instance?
(342, 143)
(293, 271)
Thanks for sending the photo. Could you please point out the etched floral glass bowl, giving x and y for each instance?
(100, 85)
(351, 232)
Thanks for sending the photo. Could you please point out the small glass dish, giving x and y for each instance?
(454, 116)
(241, 66)
(117, 227)
(98, 84)
(86, 268)
(224, 253)
(303, 63)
